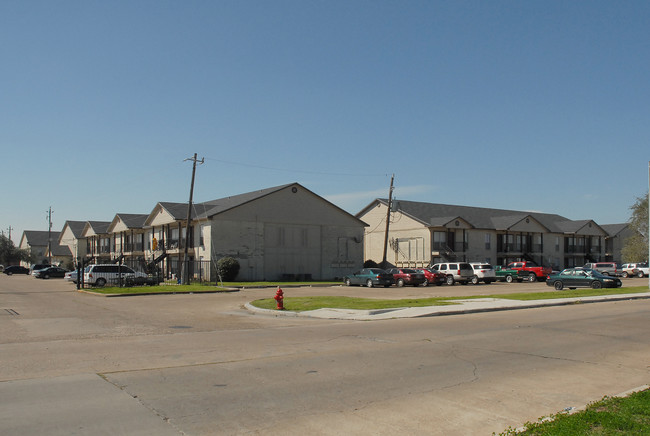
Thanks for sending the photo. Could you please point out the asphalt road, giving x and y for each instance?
(73, 363)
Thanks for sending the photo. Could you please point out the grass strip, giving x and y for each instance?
(610, 416)
(299, 304)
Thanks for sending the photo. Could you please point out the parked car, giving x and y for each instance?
(369, 277)
(433, 277)
(582, 278)
(460, 272)
(71, 276)
(101, 274)
(505, 274)
(15, 269)
(53, 271)
(407, 276)
(483, 272)
(38, 266)
(530, 270)
(605, 268)
(634, 269)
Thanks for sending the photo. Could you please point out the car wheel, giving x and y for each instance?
(605, 273)
(450, 280)
(532, 278)
(400, 283)
(625, 274)
(46, 276)
(509, 279)
(9, 273)
(558, 285)
(474, 280)
(640, 274)
(100, 282)
(369, 283)
(347, 282)
(596, 284)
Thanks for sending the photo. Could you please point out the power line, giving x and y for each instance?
(293, 170)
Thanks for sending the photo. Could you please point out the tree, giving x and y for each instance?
(635, 248)
(9, 254)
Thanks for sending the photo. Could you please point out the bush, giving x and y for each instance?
(228, 268)
(370, 264)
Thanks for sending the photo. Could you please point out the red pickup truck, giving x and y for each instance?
(530, 270)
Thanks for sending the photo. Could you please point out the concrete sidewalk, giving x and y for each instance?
(458, 307)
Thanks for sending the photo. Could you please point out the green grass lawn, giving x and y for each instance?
(299, 304)
(609, 416)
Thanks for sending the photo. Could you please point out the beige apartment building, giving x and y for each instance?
(424, 233)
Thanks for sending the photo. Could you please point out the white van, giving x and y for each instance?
(101, 274)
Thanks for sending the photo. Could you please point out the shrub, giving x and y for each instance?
(370, 264)
(228, 268)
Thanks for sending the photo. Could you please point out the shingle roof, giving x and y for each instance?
(39, 237)
(482, 218)
(208, 209)
(133, 220)
(76, 227)
(99, 227)
(614, 229)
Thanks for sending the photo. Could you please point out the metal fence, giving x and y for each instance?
(168, 272)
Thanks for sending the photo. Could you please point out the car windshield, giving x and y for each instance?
(376, 271)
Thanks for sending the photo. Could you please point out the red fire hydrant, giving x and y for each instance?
(279, 297)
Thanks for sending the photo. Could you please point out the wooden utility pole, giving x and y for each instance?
(390, 205)
(185, 276)
(49, 236)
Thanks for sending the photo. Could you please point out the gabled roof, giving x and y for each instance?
(39, 237)
(130, 220)
(215, 207)
(614, 229)
(208, 209)
(76, 227)
(509, 221)
(432, 214)
(98, 227)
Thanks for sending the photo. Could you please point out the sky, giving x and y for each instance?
(523, 105)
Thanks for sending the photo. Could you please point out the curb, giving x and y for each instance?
(494, 305)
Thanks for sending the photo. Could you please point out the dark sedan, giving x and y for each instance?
(53, 271)
(433, 277)
(369, 277)
(407, 276)
(582, 278)
(16, 269)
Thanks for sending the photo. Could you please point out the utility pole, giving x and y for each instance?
(648, 219)
(390, 205)
(185, 276)
(49, 236)
(9, 229)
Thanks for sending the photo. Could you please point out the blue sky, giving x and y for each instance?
(523, 105)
